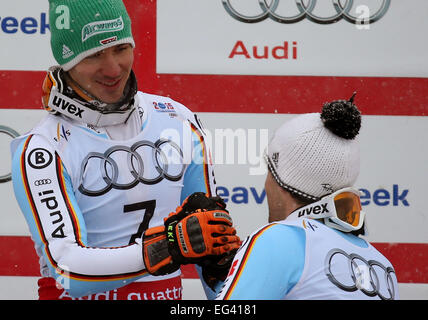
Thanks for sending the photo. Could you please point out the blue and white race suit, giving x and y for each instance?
(300, 258)
(87, 196)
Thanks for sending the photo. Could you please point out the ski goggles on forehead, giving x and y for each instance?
(340, 210)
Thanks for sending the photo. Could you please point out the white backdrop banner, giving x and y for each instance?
(288, 37)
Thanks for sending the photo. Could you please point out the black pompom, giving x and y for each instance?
(342, 118)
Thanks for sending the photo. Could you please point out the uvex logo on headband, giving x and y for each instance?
(94, 28)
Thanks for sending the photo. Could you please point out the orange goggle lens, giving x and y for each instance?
(48, 83)
(348, 208)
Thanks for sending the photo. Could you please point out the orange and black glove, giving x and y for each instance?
(215, 265)
(157, 259)
(200, 228)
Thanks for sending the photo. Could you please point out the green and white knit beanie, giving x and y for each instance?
(80, 28)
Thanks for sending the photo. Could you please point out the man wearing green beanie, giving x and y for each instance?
(82, 28)
(101, 178)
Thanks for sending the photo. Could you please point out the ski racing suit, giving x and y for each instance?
(87, 193)
(303, 259)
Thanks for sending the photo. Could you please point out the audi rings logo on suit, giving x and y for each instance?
(42, 182)
(160, 164)
(306, 9)
(370, 277)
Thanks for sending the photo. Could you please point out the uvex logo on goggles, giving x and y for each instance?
(340, 210)
(94, 28)
(319, 209)
(63, 104)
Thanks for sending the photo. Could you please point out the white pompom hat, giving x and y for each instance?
(314, 154)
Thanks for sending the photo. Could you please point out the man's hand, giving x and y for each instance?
(201, 234)
(198, 230)
(157, 259)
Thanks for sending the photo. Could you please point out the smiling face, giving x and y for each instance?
(104, 74)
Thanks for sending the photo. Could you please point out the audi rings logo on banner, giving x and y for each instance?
(156, 166)
(351, 272)
(13, 134)
(306, 9)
